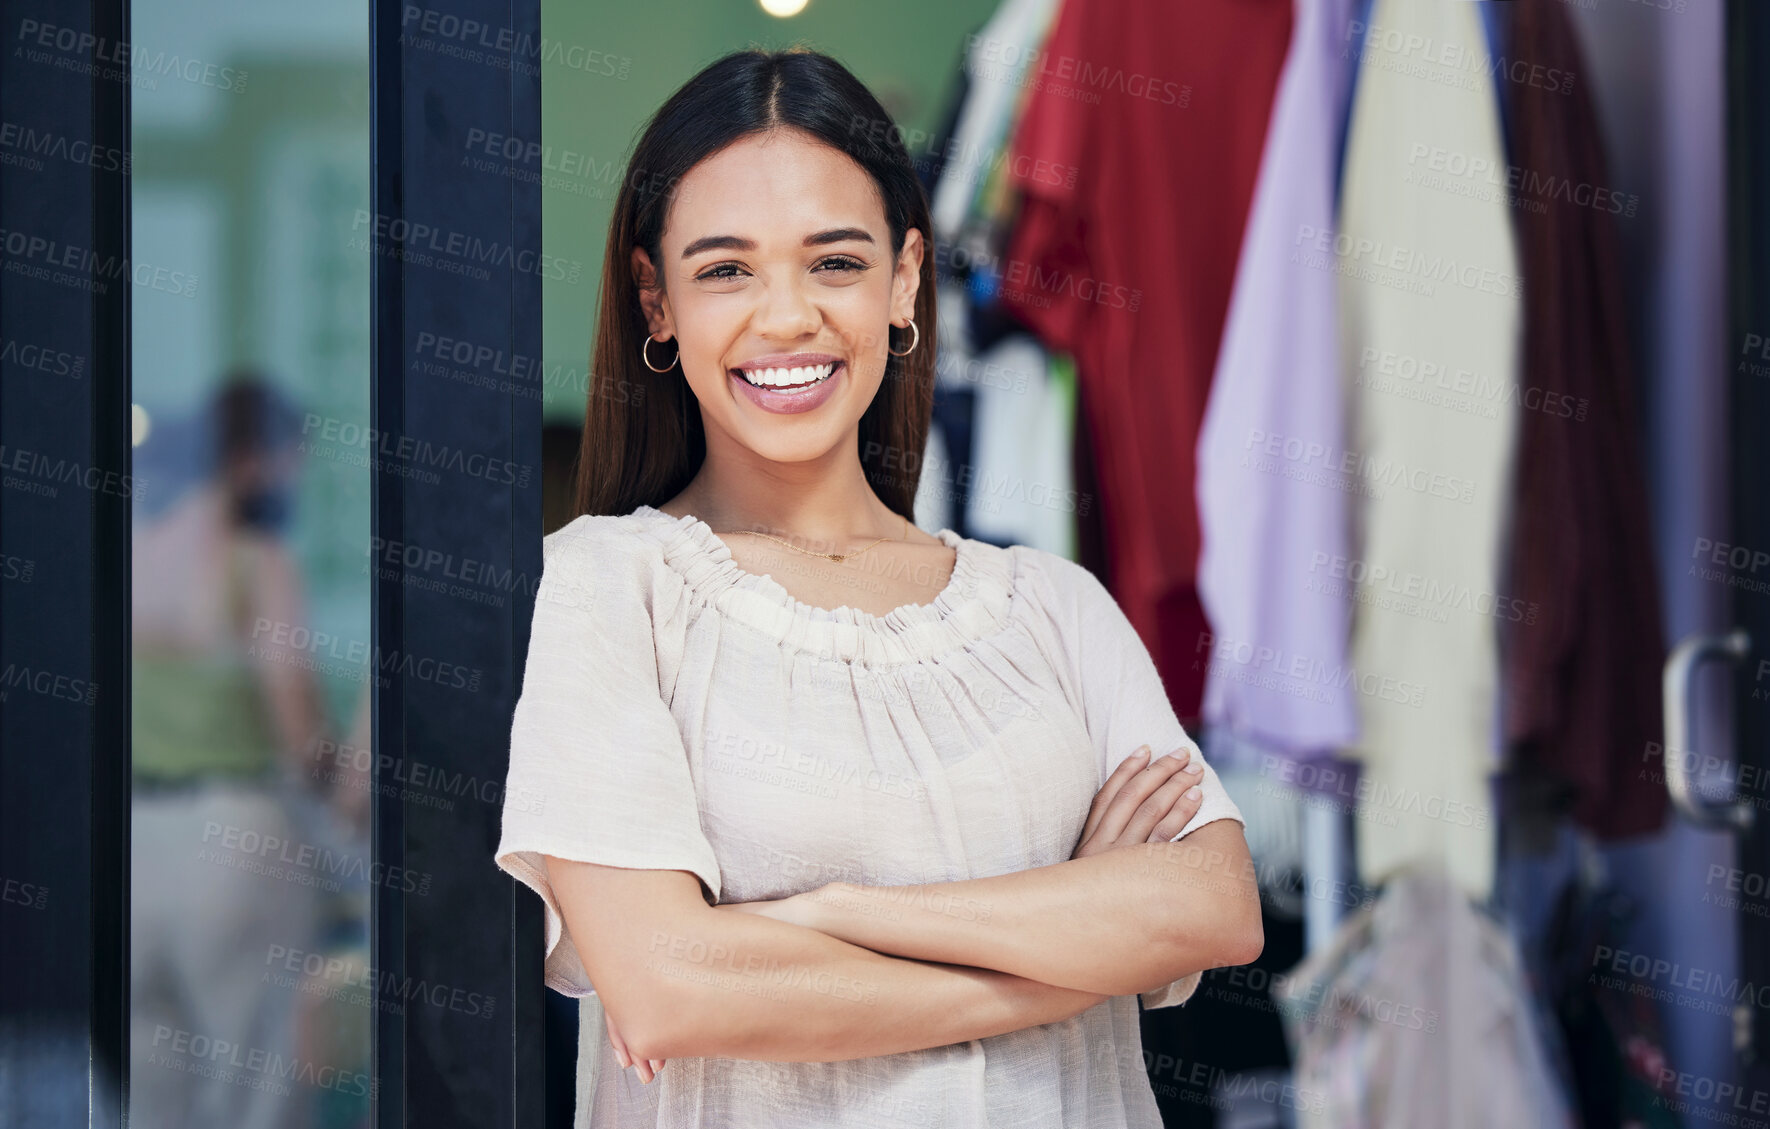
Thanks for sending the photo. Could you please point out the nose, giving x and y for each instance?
(786, 312)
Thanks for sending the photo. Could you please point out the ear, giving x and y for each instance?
(652, 299)
(906, 280)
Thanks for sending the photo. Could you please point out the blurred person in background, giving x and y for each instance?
(226, 711)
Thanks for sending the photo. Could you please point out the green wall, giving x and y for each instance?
(608, 66)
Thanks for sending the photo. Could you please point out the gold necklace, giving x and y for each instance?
(837, 557)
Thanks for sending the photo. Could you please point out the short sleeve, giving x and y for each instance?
(1124, 703)
(598, 770)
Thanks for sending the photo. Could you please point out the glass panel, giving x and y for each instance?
(251, 988)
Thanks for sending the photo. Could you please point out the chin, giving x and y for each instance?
(781, 449)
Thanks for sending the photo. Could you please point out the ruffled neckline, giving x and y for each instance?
(973, 605)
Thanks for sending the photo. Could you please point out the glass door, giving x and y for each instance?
(252, 990)
(268, 549)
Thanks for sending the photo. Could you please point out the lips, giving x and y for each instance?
(800, 383)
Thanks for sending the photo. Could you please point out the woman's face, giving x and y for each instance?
(778, 285)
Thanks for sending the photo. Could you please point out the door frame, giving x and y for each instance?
(64, 563)
(475, 930)
(1748, 243)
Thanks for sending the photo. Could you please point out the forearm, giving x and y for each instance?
(768, 990)
(703, 982)
(1124, 921)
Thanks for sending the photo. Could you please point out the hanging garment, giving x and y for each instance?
(933, 506)
(1415, 1016)
(952, 417)
(996, 64)
(1582, 672)
(1022, 487)
(970, 225)
(948, 455)
(1160, 109)
(1273, 540)
(1429, 301)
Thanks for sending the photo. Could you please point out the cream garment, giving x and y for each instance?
(678, 712)
(1430, 318)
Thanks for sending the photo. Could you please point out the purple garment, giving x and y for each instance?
(1273, 515)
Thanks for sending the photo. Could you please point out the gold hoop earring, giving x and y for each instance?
(645, 355)
(915, 339)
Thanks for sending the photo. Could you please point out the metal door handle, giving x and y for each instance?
(1681, 666)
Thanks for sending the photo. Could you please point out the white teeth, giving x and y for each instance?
(786, 377)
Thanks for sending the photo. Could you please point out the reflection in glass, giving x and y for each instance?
(251, 995)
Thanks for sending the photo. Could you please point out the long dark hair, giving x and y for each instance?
(643, 436)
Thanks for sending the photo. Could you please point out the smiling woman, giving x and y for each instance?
(908, 815)
(737, 169)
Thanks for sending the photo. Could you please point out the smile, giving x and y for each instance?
(789, 379)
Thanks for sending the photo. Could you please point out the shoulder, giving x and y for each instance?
(601, 561)
(1073, 602)
(1059, 584)
(602, 542)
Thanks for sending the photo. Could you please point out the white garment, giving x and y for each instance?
(934, 503)
(678, 712)
(999, 56)
(1418, 1014)
(1430, 308)
(1022, 436)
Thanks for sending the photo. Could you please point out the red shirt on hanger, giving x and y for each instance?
(1161, 108)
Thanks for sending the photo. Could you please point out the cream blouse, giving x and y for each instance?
(680, 713)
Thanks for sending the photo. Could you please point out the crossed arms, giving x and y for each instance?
(848, 971)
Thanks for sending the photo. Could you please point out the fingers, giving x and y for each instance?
(646, 1068)
(615, 1041)
(1132, 795)
(1185, 806)
(1181, 813)
(1127, 768)
(1159, 806)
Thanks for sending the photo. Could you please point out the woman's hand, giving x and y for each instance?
(1143, 801)
(647, 1067)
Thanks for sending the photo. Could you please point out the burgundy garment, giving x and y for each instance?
(1135, 158)
(1582, 682)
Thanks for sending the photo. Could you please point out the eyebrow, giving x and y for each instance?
(739, 243)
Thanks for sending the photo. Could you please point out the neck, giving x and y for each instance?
(824, 501)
